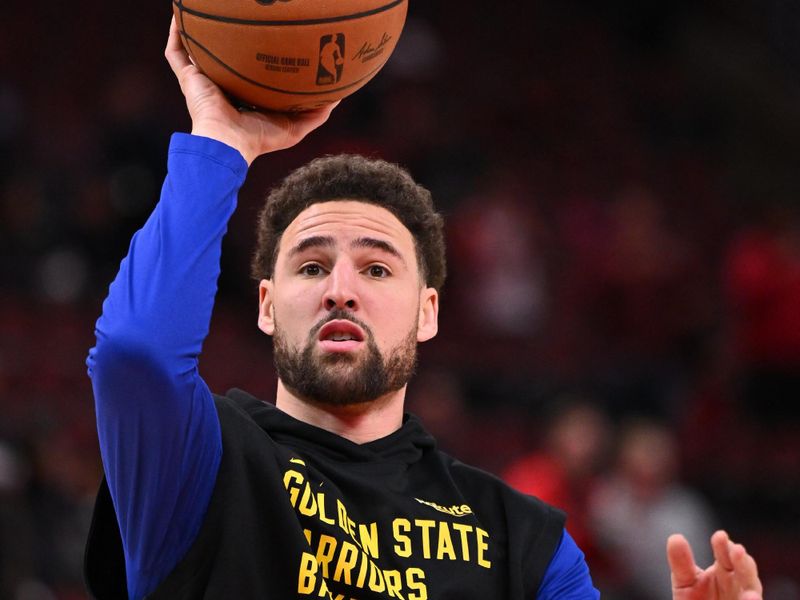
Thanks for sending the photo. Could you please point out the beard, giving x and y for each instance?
(343, 379)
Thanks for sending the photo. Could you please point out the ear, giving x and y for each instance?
(266, 309)
(428, 325)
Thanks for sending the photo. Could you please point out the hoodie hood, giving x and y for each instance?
(405, 446)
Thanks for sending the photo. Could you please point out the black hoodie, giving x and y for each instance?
(300, 512)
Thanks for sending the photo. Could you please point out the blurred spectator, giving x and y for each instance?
(16, 535)
(499, 281)
(61, 498)
(564, 470)
(640, 306)
(762, 282)
(763, 286)
(489, 438)
(639, 505)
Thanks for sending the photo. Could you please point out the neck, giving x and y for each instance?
(359, 423)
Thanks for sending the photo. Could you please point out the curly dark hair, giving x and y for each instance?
(352, 177)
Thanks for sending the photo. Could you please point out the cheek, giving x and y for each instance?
(296, 314)
(392, 317)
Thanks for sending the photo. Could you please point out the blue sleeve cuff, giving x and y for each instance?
(219, 152)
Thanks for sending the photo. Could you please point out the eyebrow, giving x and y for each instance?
(326, 241)
(368, 242)
(316, 241)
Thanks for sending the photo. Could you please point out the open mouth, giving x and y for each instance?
(340, 335)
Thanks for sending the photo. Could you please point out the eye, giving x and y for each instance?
(378, 271)
(311, 270)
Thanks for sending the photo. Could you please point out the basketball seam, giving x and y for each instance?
(269, 87)
(286, 23)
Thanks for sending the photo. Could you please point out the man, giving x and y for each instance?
(332, 492)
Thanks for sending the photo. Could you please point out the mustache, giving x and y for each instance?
(339, 314)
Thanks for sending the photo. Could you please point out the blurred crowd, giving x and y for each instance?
(620, 329)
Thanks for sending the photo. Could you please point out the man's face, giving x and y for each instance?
(346, 304)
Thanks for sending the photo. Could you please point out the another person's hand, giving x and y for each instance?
(251, 132)
(733, 576)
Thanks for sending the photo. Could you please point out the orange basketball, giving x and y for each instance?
(290, 54)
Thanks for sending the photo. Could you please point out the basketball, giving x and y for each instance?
(290, 55)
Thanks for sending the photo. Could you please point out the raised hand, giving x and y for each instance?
(251, 132)
(733, 576)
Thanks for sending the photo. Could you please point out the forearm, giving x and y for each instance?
(164, 292)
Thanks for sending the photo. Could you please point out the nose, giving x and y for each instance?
(341, 291)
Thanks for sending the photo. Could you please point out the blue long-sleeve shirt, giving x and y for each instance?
(158, 429)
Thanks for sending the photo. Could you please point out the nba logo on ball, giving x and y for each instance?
(331, 59)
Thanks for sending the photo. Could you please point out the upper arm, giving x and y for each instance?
(567, 576)
(161, 446)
